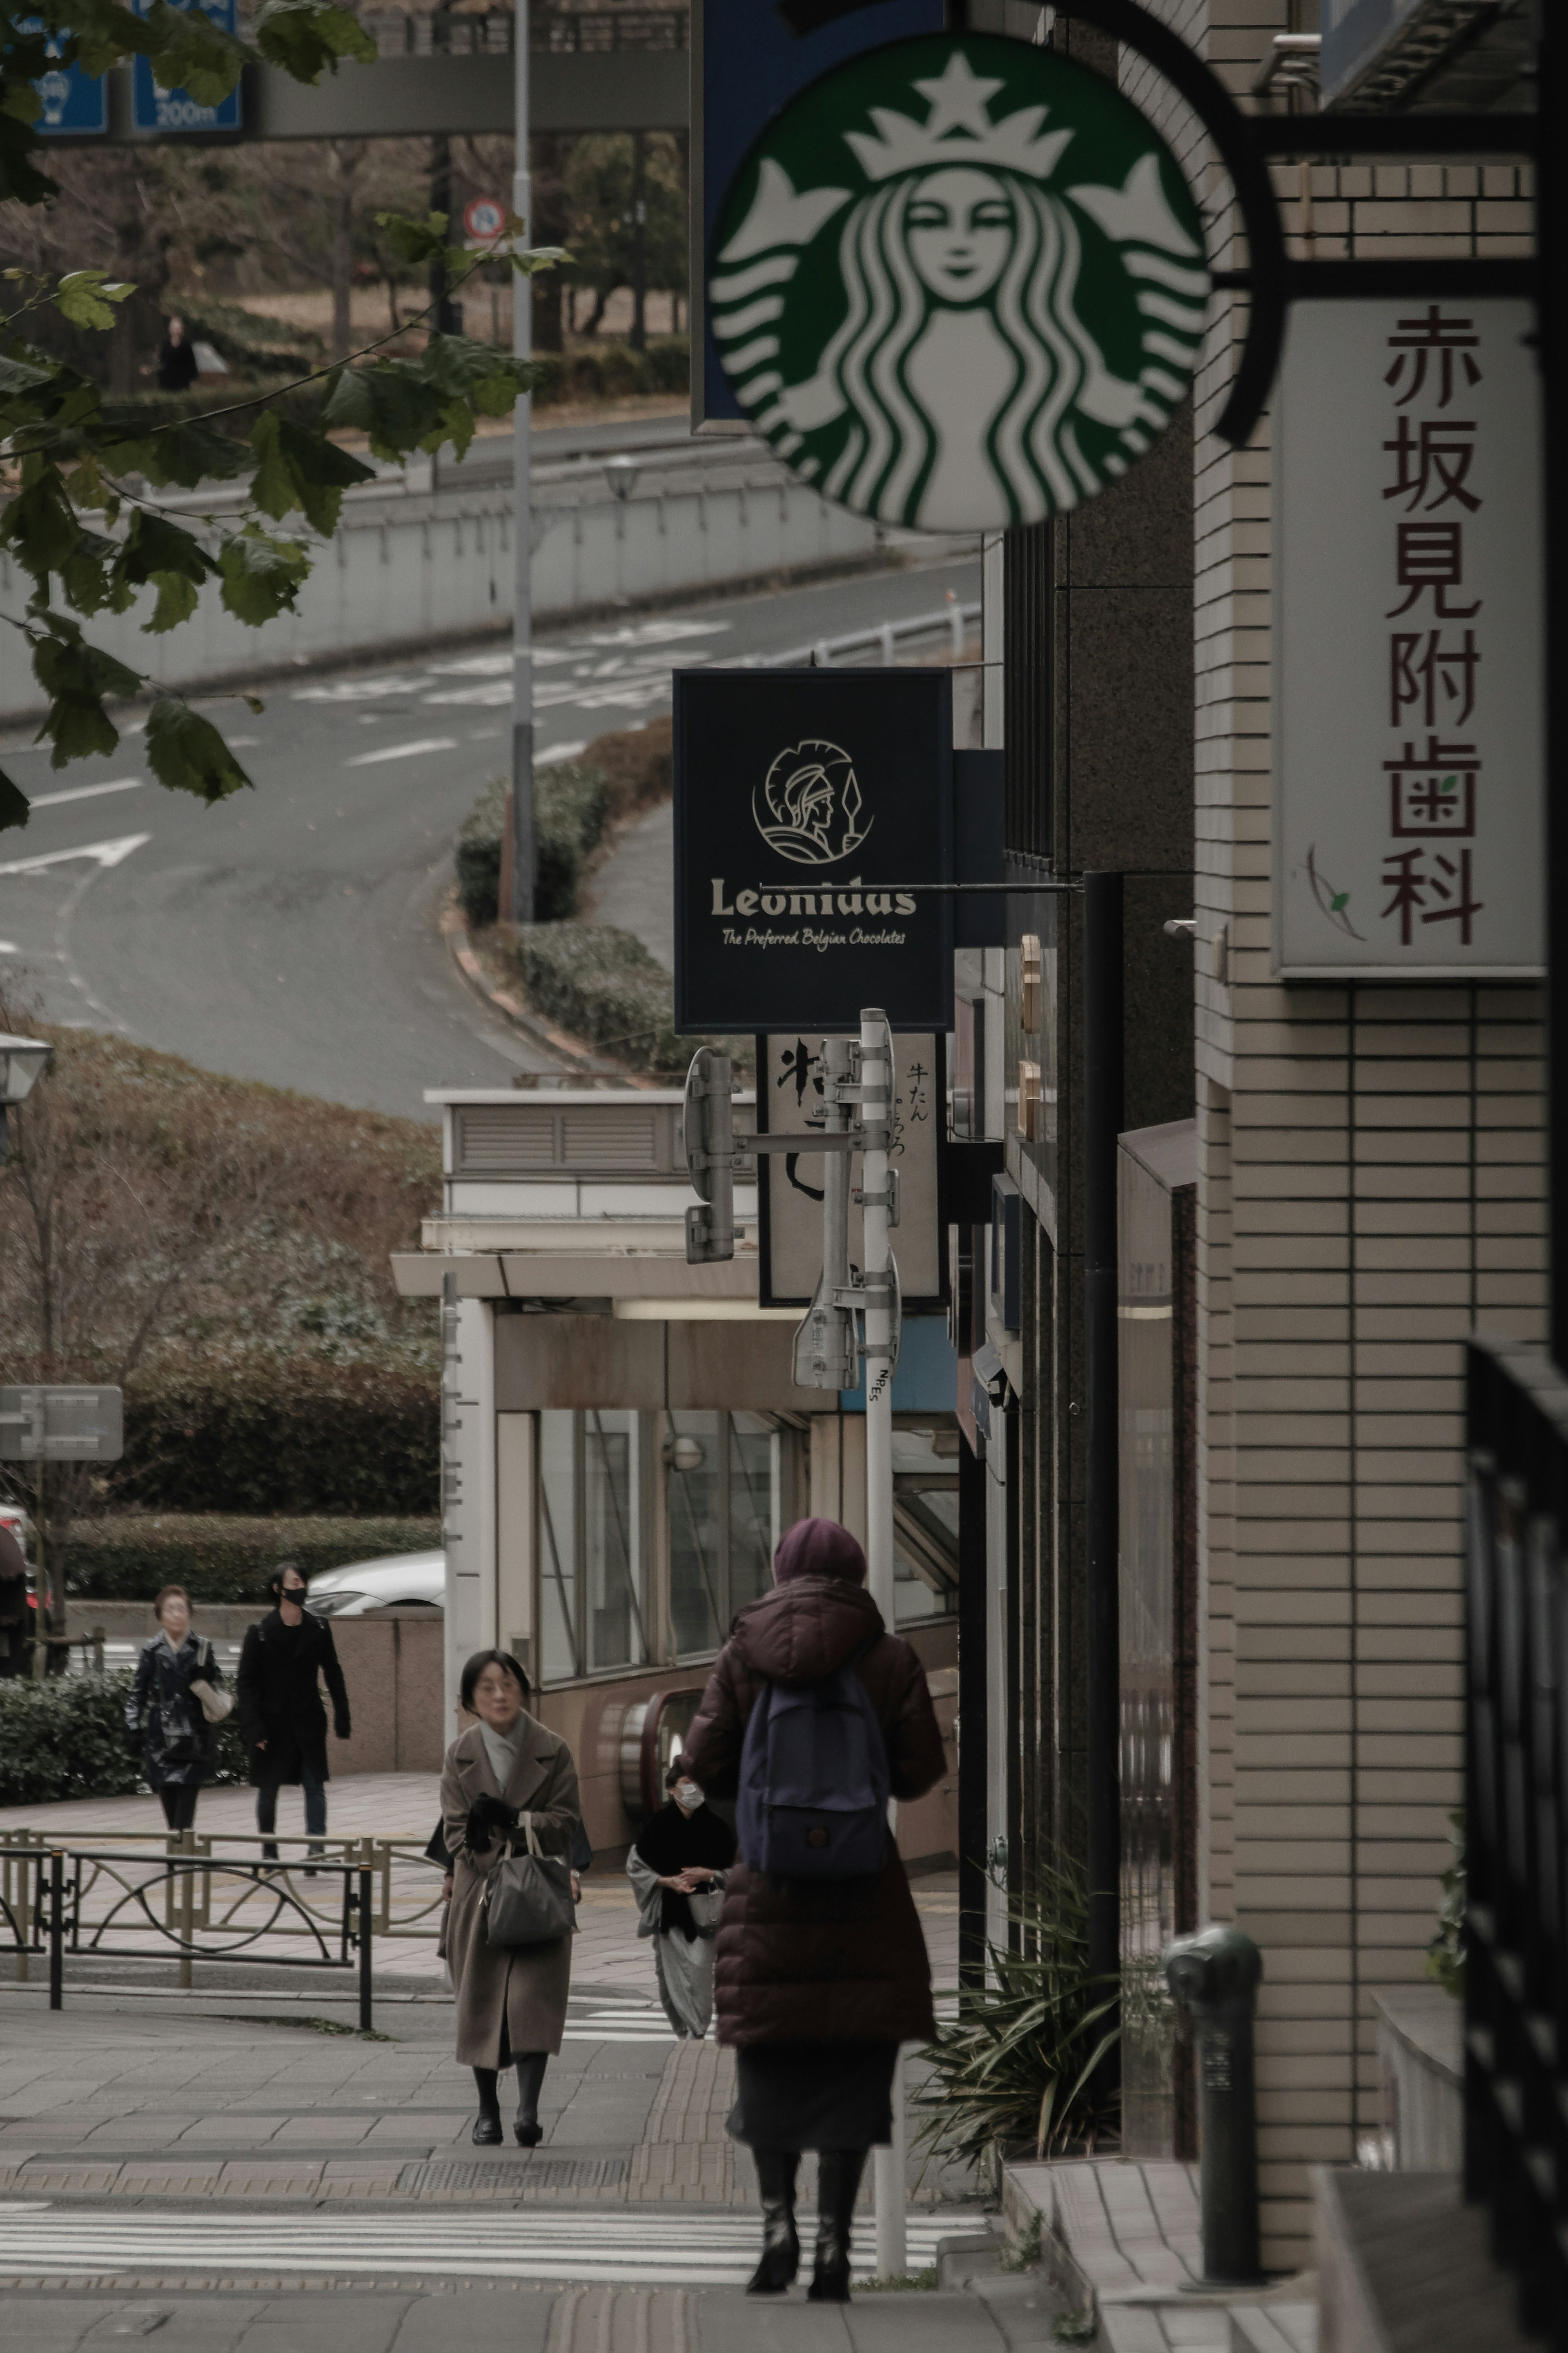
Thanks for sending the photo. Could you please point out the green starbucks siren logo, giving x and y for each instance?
(960, 283)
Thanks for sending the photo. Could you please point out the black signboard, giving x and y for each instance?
(807, 801)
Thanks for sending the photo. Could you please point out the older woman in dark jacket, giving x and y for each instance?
(818, 1981)
(166, 1725)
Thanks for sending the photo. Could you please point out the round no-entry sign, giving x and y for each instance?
(484, 216)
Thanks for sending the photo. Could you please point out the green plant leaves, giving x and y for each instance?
(15, 807)
(261, 575)
(191, 53)
(85, 297)
(307, 38)
(187, 752)
(76, 677)
(302, 469)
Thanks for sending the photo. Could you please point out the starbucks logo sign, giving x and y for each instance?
(960, 283)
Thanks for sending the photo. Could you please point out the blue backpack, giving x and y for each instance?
(813, 1801)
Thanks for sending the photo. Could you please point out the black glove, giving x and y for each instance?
(485, 1815)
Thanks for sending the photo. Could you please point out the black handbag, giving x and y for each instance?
(527, 1899)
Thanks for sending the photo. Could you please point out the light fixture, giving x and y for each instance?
(23, 1061)
(621, 474)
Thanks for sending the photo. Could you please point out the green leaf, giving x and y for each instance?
(413, 241)
(76, 677)
(187, 752)
(177, 599)
(15, 805)
(189, 52)
(307, 38)
(19, 377)
(20, 178)
(87, 574)
(272, 484)
(261, 575)
(157, 544)
(1449, 784)
(85, 297)
(40, 527)
(1340, 899)
(186, 454)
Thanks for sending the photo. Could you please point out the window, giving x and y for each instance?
(722, 1500)
(592, 1575)
(925, 1522)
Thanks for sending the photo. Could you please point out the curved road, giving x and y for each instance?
(290, 935)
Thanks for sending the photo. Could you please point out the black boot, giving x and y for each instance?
(838, 2172)
(776, 2170)
(529, 2083)
(487, 2125)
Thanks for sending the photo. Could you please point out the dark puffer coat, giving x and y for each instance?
(820, 1960)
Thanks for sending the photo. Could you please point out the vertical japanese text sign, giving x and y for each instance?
(1407, 643)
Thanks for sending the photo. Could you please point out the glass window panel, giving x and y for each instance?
(610, 1545)
(560, 1650)
(695, 1502)
(753, 1477)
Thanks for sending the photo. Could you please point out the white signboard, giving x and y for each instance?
(62, 1425)
(1407, 643)
(789, 1098)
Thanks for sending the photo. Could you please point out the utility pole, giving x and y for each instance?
(524, 851)
(879, 1207)
(639, 240)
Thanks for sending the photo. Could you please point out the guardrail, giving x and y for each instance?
(197, 1904)
(1516, 1933)
(822, 652)
(552, 31)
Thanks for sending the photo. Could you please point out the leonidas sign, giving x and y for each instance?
(806, 802)
(1407, 642)
(959, 283)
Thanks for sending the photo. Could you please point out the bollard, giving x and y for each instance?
(1214, 1976)
(366, 1982)
(56, 1930)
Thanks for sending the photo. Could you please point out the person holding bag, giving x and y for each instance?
(509, 1812)
(177, 1700)
(815, 1714)
(678, 1869)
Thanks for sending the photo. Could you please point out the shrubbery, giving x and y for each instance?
(222, 1557)
(614, 370)
(66, 1738)
(284, 1434)
(605, 986)
(570, 804)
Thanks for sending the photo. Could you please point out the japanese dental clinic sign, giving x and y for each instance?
(806, 804)
(959, 283)
(1407, 685)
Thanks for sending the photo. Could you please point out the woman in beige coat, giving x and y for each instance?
(504, 1775)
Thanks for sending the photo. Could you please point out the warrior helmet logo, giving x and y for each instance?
(808, 806)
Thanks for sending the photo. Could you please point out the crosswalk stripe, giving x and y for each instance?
(715, 2250)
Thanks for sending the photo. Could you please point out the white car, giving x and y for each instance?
(404, 1580)
(13, 1517)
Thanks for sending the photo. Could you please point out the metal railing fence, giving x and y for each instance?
(1516, 1929)
(440, 32)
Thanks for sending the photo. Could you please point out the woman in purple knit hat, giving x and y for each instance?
(816, 1981)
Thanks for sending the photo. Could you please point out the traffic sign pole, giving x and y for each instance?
(524, 848)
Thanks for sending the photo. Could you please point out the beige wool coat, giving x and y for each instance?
(524, 1990)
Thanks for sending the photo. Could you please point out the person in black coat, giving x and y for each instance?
(282, 1719)
(16, 1627)
(167, 1727)
(177, 364)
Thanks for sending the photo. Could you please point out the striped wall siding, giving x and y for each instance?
(1371, 1187)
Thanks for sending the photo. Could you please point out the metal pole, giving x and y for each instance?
(56, 1930)
(1103, 1053)
(366, 1989)
(1214, 1976)
(187, 1910)
(877, 1111)
(972, 1712)
(1551, 237)
(524, 851)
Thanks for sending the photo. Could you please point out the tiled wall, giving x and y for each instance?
(1371, 1186)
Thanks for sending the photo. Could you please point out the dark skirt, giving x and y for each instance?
(796, 2096)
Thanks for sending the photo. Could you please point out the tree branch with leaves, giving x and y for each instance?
(78, 514)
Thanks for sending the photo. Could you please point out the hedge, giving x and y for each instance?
(605, 986)
(220, 1557)
(66, 1738)
(272, 1433)
(613, 370)
(570, 806)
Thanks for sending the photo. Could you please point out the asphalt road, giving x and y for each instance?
(290, 935)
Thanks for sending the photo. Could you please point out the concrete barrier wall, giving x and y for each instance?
(405, 568)
(393, 1664)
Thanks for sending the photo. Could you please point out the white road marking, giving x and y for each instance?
(85, 792)
(358, 690)
(557, 753)
(488, 697)
(106, 853)
(402, 751)
(9, 947)
(705, 2249)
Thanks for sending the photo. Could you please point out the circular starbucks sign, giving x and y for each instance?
(959, 283)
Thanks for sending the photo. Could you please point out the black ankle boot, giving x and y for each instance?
(780, 2260)
(527, 2127)
(487, 2130)
(838, 2172)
